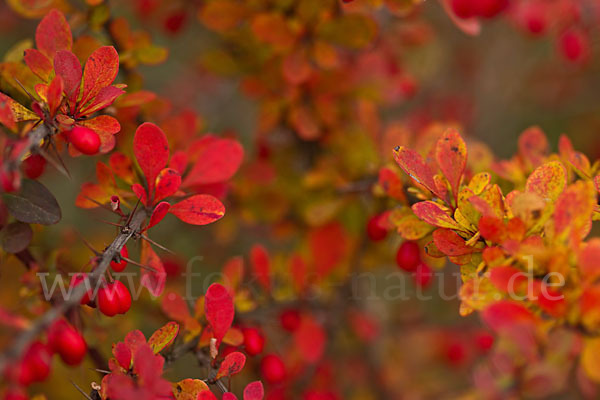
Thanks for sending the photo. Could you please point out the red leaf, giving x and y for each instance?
(140, 193)
(217, 162)
(134, 340)
(218, 306)
(229, 396)
(259, 259)
(123, 354)
(206, 395)
(450, 243)
(231, 365)
(233, 273)
(310, 340)
(412, 163)
(151, 151)
(121, 166)
(158, 214)
(533, 146)
(105, 97)
(254, 391)
(67, 66)
(38, 63)
(53, 34)
(451, 156)
(200, 209)
(154, 280)
(175, 307)
(54, 96)
(6, 115)
(506, 313)
(328, 245)
(100, 71)
(168, 182)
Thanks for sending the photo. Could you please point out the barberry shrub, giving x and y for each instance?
(342, 230)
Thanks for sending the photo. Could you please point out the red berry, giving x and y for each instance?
(120, 266)
(84, 139)
(464, 8)
(574, 45)
(408, 256)
(175, 21)
(375, 231)
(35, 365)
(534, 18)
(490, 8)
(123, 296)
(273, 369)
(290, 319)
(67, 343)
(10, 180)
(484, 341)
(33, 166)
(15, 394)
(108, 301)
(79, 279)
(455, 353)
(254, 341)
(423, 275)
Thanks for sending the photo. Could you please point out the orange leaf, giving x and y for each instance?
(38, 63)
(153, 280)
(100, 71)
(574, 209)
(259, 259)
(450, 243)
(547, 181)
(435, 215)
(412, 163)
(189, 389)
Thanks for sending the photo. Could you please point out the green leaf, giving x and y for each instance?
(34, 204)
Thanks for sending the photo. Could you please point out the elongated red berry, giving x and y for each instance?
(464, 8)
(273, 369)
(123, 296)
(15, 394)
(290, 319)
(80, 279)
(574, 45)
(375, 230)
(408, 256)
(35, 365)
(254, 341)
(67, 342)
(108, 301)
(423, 275)
(33, 166)
(84, 139)
(120, 266)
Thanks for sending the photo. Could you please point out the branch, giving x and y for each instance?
(126, 233)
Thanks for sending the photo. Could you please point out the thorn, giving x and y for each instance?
(160, 246)
(80, 390)
(102, 371)
(146, 267)
(108, 222)
(106, 207)
(52, 161)
(88, 245)
(133, 212)
(25, 90)
(59, 157)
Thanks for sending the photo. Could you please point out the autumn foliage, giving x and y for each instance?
(347, 223)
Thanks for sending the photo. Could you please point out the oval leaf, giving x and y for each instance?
(163, 337)
(151, 151)
(231, 365)
(200, 209)
(451, 156)
(254, 391)
(547, 181)
(16, 237)
(33, 204)
(218, 306)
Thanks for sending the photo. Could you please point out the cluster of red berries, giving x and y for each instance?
(112, 298)
(35, 365)
(409, 259)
